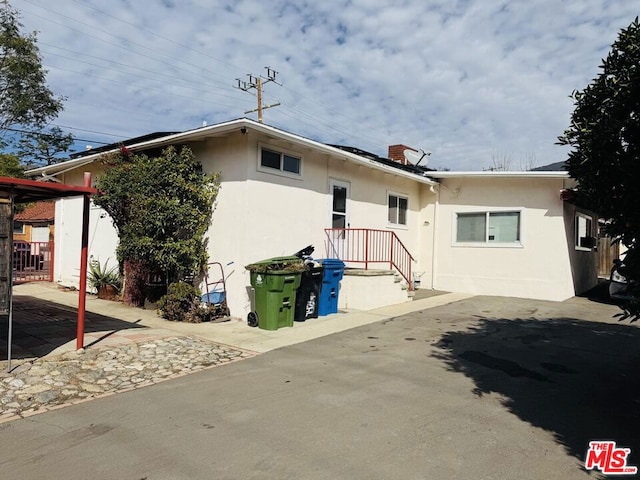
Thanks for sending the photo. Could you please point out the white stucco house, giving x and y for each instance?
(494, 233)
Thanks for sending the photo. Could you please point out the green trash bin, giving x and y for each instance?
(275, 282)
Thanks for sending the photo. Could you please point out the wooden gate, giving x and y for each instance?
(606, 254)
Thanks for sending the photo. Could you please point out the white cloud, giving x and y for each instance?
(464, 79)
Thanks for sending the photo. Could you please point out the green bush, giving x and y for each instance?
(181, 300)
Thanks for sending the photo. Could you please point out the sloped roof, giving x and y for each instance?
(238, 125)
(417, 169)
(552, 167)
(126, 143)
(37, 212)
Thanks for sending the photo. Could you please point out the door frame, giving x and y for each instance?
(338, 241)
(334, 182)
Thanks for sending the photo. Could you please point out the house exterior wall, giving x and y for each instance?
(540, 267)
(258, 214)
(261, 213)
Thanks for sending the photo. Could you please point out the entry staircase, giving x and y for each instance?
(370, 248)
(385, 276)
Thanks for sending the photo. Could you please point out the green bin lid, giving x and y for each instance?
(277, 264)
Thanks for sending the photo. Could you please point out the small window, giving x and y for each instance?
(488, 227)
(398, 206)
(18, 228)
(282, 162)
(584, 232)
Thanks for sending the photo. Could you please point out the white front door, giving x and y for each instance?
(339, 194)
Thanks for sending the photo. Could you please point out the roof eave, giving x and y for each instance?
(221, 128)
(484, 174)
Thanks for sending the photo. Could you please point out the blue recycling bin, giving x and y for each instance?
(328, 298)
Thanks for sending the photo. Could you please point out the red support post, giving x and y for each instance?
(82, 295)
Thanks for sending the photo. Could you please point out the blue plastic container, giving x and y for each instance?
(328, 298)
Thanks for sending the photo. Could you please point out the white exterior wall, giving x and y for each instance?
(103, 238)
(259, 215)
(539, 268)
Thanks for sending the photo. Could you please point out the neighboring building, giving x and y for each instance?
(497, 233)
(36, 223)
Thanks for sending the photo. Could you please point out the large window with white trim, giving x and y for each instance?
(271, 159)
(502, 227)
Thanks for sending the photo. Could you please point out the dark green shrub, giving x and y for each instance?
(180, 302)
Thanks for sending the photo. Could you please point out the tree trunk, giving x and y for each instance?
(135, 278)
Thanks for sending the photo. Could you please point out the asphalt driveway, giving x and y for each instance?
(485, 388)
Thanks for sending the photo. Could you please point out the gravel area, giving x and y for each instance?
(48, 383)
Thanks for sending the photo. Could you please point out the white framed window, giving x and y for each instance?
(584, 239)
(273, 160)
(488, 228)
(397, 207)
(18, 228)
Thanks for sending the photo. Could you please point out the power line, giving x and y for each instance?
(124, 65)
(151, 32)
(18, 130)
(101, 67)
(90, 131)
(343, 131)
(198, 68)
(148, 87)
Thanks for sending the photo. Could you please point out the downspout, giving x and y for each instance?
(435, 238)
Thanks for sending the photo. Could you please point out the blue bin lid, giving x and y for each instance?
(332, 262)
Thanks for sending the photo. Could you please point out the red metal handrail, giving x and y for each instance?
(370, 246)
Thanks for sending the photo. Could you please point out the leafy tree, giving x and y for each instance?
(161, 207)
(44, 148)
(10, 166)
(25, 98)
(605, 156)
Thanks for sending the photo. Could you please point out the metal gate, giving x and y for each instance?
(32, 261)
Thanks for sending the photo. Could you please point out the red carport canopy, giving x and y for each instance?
(18, 190)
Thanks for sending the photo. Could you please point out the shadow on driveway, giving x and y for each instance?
(577, 379)
(40, 326)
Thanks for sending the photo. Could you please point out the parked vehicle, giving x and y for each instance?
(618, 283)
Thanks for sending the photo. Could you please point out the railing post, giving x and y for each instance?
(366, 249)
(391, 250)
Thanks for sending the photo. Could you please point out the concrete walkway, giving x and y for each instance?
(112, 323)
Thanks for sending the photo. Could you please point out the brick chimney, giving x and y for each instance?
(396, 153)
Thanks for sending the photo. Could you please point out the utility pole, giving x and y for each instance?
(257, 83)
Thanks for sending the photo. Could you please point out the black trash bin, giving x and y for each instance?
(308, 293)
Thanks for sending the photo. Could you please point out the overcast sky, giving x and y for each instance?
(469, 80)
